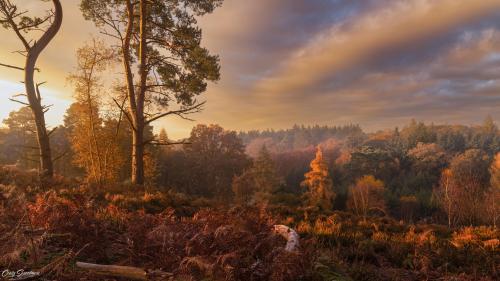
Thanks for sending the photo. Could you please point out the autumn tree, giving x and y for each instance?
(215, 156)
(495, 171)
(417, 132)
(493, 197)
(259, 182)
(12, 18)
(93, 149)
(427, 157)
(464, 187)
(427, 160)
(448, 196)
(318, 183)
(161, 41)
(366, 195)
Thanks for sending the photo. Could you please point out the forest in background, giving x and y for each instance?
(413, 165)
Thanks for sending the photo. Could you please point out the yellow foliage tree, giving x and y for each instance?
(495, 172)
(366, 195)
(319, 184)
(493, 200)
(94, 145)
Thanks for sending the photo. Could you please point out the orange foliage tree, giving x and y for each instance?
(319, 184)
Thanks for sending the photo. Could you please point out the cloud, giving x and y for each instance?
(376, 34)
(374, 62)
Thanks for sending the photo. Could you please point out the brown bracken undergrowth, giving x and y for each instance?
(49, 230)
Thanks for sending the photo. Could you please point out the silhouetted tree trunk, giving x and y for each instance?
(34, 98)
(10, 13)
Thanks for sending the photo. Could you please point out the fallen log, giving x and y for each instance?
(129, 272)
(291, 236)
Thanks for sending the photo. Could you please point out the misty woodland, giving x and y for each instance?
(106, 187)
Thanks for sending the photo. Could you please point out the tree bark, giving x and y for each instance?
(138, 133)
(34, 99)
(138, 155)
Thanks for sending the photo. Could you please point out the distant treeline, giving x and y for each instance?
(409, 167)
(452, 138)
(299, 137)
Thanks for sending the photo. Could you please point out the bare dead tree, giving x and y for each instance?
(12, 18)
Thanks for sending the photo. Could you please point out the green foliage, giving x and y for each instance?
(175, 58)
(214, 156)
(260, 182)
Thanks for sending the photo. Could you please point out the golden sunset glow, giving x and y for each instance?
(284, 58)
(250, 140)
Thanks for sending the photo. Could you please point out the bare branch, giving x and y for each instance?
(156, 142)
(15, 67)
(180, 112)
(21, 102)
(38, 96)
(120, 117)
(126, 114)
(11, 66)
(61, 156)
(52, 131)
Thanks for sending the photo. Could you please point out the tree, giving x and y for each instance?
(161, 41)
(493, 198)
(408, 206)
(17, 21)
(464, 187)
(243, 187)
(427, 156)
(319, 184)
(495, 172)
(266, 177)
(452, 139)
(215, 156)
(427, 161)
(20, 139)
(258, 183)
(417, 132)
(366, 195)
(448, 196)
(92, 149)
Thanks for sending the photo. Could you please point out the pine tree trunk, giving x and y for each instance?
(34, 99)
(138, 134)
(138, 155)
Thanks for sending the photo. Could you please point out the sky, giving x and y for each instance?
(377, 63)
